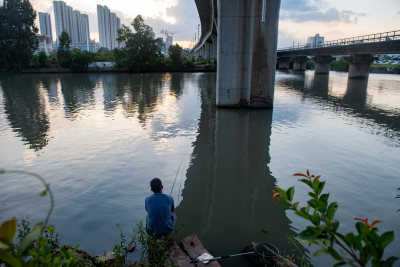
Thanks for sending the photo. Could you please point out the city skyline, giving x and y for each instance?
(72, 21)
(299, 19)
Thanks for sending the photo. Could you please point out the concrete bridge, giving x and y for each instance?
(360, 51)
(242, 36)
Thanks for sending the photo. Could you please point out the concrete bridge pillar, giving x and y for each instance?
(214, 42)
(323, 64)
(299, 63)
(359, 65)
(247, 40)
(283, 63)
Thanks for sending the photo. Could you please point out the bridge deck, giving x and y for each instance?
(388, 47)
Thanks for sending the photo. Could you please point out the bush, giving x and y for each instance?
(340, 65)
(363, 248)
(43, 60)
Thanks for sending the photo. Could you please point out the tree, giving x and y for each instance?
(43, 60)
(142, 51)
(17, 34)
(175, 55)
(63, 53)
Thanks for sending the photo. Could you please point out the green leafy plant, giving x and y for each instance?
(122, 247)
(362, 248)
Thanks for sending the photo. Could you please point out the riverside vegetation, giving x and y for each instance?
(141, 51)
(23, 245)
(363, 248)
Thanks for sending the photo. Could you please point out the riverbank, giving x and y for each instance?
(57, 69)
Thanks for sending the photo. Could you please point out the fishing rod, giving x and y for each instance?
(176, 177)
(265, 250)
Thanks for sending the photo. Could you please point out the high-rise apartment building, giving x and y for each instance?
(45, 24)
(72, 21)
(315, 41)
(109, 24)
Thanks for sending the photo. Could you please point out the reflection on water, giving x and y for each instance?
(26, 110)
(228, 188)
(100, 138)
(356, 101)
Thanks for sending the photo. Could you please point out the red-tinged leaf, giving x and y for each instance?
(375, 223)
(299, 174)
(264, 231)
(308, 172)
(362, 220)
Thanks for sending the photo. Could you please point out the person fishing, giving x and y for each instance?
(160, 211)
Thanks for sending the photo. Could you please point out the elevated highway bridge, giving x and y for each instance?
(359, 50)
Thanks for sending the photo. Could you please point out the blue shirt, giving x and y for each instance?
(159, 220)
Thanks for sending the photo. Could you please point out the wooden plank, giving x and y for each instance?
(177, 257)
(194, 248)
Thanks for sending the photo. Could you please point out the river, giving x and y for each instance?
(98, 139)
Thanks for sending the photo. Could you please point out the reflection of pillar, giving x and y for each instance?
(299, 63)
(320, 85)
(322, 64)
(283, 63)
(228, 189)
(359, 65)
(214, 41)
(247, 39)
(356, 93)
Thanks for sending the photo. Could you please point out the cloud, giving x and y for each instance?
(309, 11)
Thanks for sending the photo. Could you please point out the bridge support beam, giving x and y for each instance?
(323, 64)
(359, 65)
(247, 40)
(299, 63)
(214, 42)
(283, 63)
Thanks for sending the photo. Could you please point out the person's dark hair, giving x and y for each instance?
(156, 185)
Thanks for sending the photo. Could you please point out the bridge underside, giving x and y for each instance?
(243, 37)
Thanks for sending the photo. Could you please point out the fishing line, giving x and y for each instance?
(176, 176)
(180, 185)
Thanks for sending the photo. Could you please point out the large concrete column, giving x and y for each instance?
(214, 42)
(323, 64)
(247, 40)
(359, 65)
(283, 63)
(299, 63)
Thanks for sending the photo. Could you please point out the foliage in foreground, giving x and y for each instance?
(362, 248)
(37, 246)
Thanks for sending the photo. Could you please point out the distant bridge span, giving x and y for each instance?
(360, 51)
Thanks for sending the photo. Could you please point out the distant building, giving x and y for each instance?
(168, 42)
(45, 43)
(92, 46)
(71, 21)
(315, 41)
(45, 24)
(109, 24)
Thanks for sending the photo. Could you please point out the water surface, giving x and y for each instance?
(100, 138)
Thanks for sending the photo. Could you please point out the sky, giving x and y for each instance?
(333, 19)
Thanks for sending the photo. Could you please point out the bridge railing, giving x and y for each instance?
(371, 38)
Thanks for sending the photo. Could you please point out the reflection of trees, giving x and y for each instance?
(353, 103)
(228, 189)
(25, 109)
(78, 92)
(176, 84)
